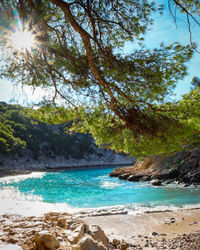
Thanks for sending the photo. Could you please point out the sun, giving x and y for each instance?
(22, 40)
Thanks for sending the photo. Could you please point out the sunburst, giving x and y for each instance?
(21, 39)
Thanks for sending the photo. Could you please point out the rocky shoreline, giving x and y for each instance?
(181, 168)
(53, 231)
(63, 231)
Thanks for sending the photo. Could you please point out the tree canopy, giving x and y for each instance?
(78, 53)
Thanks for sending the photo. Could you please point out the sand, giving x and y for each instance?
(151, 227)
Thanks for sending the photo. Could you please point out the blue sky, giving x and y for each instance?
(163, 30)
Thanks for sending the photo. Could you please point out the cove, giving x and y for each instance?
(93, 188)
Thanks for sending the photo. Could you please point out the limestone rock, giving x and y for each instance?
(114, 173)
(170, 174)
(115, 242)
(122, 245)
(70, 224)
(88, 243)
(156, 183)
(51, 216)
(46, 240)
(135, 177)
(98, 234)
(74, 236)
(61, 222)
(124, 176)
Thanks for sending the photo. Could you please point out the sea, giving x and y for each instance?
(89, 191)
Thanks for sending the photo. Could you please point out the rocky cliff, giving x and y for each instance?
(16, 164)
(182, 167)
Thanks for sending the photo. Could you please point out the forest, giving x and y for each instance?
(20, 132)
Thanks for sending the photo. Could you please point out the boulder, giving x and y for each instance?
(155, 233)
(76, 235)
(171, 174)
(169, 182)
(124, 176)
(146, 178)
(115, 242)
(156, 182)
(122, 245)
(135, 177)
(88, 243)
(98, 234)
(114, 174)
(195, 178)
(46, 240)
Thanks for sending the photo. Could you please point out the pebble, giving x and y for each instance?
(155, 233)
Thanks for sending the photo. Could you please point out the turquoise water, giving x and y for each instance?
(93, 188)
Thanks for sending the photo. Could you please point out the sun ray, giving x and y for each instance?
(22, 40)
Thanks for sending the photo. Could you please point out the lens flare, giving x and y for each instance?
(22, 40)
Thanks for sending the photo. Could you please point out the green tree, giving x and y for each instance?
(79, 50)
(195, 82)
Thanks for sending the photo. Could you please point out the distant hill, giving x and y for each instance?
(28, 143)
(19, 132)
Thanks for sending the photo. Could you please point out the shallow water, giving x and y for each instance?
(88, 188)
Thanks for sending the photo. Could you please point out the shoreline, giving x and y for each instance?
(177, 228)
(156, 230)
(152, 229)
(18, 171)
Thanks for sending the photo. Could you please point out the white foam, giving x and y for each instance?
(106, 210)
(14, 202)
(18, 178)
(146, 209)
(110, 184)
(100, 177)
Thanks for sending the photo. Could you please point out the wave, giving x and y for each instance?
(101, 177)
(110, 184)
(18, 178)
(14, 202)
(138, 209)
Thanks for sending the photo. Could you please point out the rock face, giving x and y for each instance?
(183, 167)
(53, 231)
(15, 164)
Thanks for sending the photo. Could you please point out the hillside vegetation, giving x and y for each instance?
(19, 132)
